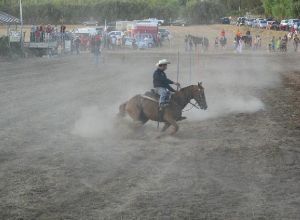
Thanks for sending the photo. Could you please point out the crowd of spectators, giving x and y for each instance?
(45, 33)
(280, 44)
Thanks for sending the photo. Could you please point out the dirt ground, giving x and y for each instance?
(64, 154)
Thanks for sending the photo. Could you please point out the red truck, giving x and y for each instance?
(145, 27)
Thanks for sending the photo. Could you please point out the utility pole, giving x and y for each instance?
(177, 70)
(21, 20)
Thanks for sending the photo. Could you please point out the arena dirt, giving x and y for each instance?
(64, 154)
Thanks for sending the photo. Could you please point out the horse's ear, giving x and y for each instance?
(199, 84)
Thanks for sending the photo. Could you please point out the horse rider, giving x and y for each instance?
(161, 83)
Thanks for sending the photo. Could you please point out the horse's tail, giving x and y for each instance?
(122, 110)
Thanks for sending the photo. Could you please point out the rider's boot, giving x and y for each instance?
(161, 110)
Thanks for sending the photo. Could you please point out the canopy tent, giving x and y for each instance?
(8, 19)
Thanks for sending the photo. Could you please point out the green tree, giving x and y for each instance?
(204, 12)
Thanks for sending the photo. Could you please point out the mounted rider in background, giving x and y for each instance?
(161, 83)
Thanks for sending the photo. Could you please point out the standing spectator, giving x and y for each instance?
(106, 41)
(62, 28)
(238, 35)
(258, 41)
(159, 44)
(283, 44)
(97, 50)
(223, 33)
(237, 39)
(278, 43)
(119, 42)
(239, 48)
(92, 44)
(190, 44)
(296, 42)
(216, 42)
(273, 42)
(48, 31)
(32, 33)
(255, 43)
(186, 43)
(123, 40)
(113, 41)
(42, 33)
(37, 35)
(77, 45)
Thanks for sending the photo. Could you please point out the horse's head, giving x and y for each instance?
(199, 95)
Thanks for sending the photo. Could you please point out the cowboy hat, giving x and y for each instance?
(163, 62)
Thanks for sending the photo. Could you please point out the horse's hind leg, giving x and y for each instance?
(122, 110)
(136, 113)
(166, 126)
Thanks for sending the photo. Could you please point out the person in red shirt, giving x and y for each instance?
(223, 33)
(37, 35)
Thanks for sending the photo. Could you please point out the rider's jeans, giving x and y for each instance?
(164, 95)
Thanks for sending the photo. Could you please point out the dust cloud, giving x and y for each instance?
(232, 86)
(93, 123)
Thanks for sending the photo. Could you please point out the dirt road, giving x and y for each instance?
(63, 154)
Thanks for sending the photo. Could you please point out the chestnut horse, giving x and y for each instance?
(142, 108)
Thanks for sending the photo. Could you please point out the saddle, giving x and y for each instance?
(152, 94)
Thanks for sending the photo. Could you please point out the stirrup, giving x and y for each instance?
(163, 106)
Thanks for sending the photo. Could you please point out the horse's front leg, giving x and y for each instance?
(169, 119)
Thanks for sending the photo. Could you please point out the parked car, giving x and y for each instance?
(262, 24)
(241, 21)
(249, 22)
(297, 26)
(164, 33)
(269, 24)
(130, 42)
(291, 22)
(99, 30)
(91, 31)
(144, 41)
(274, 26)
(90, 23)
(225, 20)
(179, 22)
(116, 33)
(283, 25)
(256, 22)
(159, 22)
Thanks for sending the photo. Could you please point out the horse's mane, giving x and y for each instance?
(185, 89)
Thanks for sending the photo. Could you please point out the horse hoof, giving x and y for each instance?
(160, 136)
(181, 118)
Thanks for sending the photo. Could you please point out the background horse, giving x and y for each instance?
(203, 41)
(142, 108)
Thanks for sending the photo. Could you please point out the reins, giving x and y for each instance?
(193, 106)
